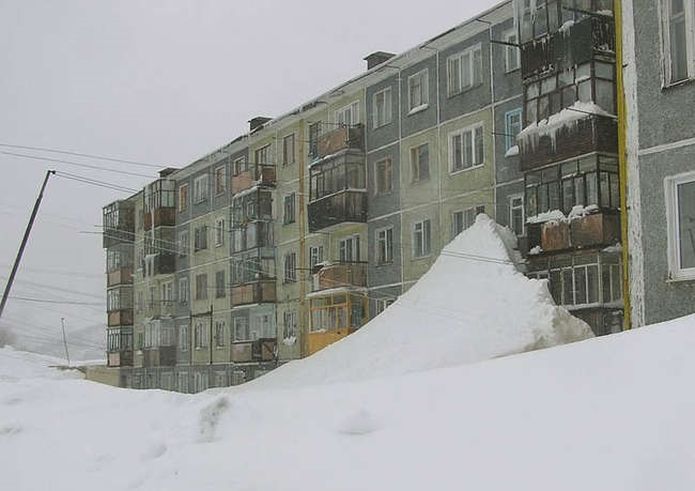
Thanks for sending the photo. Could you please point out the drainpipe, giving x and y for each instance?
(622, 161)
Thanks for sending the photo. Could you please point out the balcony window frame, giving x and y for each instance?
(289, 214)
(340, 115)
(383, 240)
(290, 268)
(349, 250)
(316, 256)
(511, 129)
(183, 290)
(262, 155)
(512, 54)
(517, 209)
(289, 153)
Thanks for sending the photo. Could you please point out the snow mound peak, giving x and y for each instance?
(472, 305)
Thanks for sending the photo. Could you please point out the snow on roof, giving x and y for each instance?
(472, 305)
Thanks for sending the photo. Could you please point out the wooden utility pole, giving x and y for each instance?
(23, 245)
(65, 341)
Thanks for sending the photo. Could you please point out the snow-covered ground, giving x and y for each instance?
(612, 413)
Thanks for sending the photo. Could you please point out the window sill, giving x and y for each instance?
(509, 72)
(419, 258)
(418, 109)
(461, 171)
(464, 90)
(675, 277)
(680, 83)
(381, 125)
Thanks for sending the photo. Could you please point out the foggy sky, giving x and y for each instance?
(161, 82)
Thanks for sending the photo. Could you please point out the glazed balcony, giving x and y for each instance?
(159, 217)
(118, 223)
(348, 206)
(120, 317)
(340, 275)
(255, 175)
(164, 356)
(123, 358)
(251, 293)
(120, 276)
(578, 43)
(338, 139)
(319, 340)
(260, 350)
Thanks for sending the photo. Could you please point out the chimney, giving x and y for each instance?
(377, 58)
(167, 172)
(257, 123)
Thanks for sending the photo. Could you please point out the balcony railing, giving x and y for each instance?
(263, 175)
(339, 139)
(123, 358)
(343, 206)
(340, 275)
(159, 217)
(121, 276)
(258, 292)
(579, 233)
(123, 317)
(593, 133)
(259, 350)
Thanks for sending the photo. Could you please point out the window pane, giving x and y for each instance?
(580, 285)
(567, 287)
(592, 280)
(686, 222)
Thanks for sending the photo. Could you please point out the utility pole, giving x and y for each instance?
(65, 341)
(23, 245)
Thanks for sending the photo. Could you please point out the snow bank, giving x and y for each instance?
(472, 305)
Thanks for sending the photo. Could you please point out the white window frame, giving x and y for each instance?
(415, 159)
(183, 292)
(473, 80)
(381, 236)
(317, 253)
(510, 137)
(183, 202)
(237, 324)
(262, 155)
(382, 117)
(424, 77)
(289, 208)
(289, 158)
(220, 179)
(289, 325)
(201, 186)
(355, 249)
(521, 197)
(512, 37)
(689, 7)
(353, 109)
(462, 132)
(219, 232)
(676, 271)
(419, 250)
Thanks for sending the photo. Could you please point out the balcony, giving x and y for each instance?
(340, 275)
(120, 276)
(258, 292)
(162, 356)
(159, 217)
(118, 223)
(122, 358)
(260, 350)
(341, 138)
(335, 313)
(319, 340)
(577, 44)
(256, 175)
(598, 229)
(347, 206)
(548, 143)
(123, 317)
(156, 264)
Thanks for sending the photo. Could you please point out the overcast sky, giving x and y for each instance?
(161, 82)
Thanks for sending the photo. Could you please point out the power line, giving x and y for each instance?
(76, 164)
(79, 154)
(95, 182)
(60, 302)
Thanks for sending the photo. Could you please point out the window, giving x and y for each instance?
(200, 189)
(315, 256)
(200, 238)
(349, 249)
(348, 115)
(588, 181)
(465, 70)
(516, 214)
(288, 156)
(383, 304)
(592, 281)
(463, 219)
(219, 232)
(220, 179)
(418, 91)
(241, 329)
(382, 107)
(383, 176)
(183, 290)
(183, 243)
(220, 286)
(466, 149)
(679, 40)
(219, 334)
(512, 127)
(289, 209)
(201, 287)
(183, 197)
(168, 293)
(263, 155)
(512, 54)
(200, 335)
(384, 245)
(240, 165)
(290, 267)
(262, 327)
(314, 133)
(420, 162)
(289, 325)
(422, 239)
(680, 210)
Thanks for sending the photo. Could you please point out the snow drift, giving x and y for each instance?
(472, 305)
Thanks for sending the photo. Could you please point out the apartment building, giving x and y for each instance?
(295, 234)
(659, 60)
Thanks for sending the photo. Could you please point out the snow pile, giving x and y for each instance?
(472, 305)
(610, 413)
